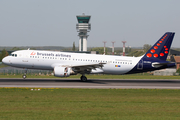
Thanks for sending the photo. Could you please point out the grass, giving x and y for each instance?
(2, 65)
(89, 104)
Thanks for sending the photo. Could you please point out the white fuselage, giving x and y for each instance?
(48, 60)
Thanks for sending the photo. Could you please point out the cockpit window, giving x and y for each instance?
(14, 55)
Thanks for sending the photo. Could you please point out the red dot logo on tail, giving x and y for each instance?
(153, 51)
(155, 47)
(166, 52)
(149, 55)
(161, 54)
(155, 55)
(158, 44)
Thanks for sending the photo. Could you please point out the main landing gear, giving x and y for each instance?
(83, 78)
(24, 76)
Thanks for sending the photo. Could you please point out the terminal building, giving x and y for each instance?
(83, 27)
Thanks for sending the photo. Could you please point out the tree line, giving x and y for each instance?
(3, 54)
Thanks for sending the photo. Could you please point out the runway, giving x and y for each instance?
(91, 83)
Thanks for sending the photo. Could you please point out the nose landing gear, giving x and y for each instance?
(24, 76)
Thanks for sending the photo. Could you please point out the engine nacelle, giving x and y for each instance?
(62, 71)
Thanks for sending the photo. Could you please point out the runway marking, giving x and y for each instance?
(91, 84)
(94, 87)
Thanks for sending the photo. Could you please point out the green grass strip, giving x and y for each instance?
(89, 104)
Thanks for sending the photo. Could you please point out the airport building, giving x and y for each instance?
(83, 27)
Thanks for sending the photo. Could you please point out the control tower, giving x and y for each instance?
(83, 27)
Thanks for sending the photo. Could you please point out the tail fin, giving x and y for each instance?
(161, 48)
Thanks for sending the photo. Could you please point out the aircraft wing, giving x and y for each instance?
(86, 68)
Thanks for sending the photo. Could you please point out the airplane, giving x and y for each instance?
(65, 64)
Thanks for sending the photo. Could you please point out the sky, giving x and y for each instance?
(53, 22)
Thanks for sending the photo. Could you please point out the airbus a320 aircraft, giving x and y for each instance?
(65, 64)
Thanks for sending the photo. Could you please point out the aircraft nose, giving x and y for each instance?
(5, 60)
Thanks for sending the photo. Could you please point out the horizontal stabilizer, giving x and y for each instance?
(160, 64)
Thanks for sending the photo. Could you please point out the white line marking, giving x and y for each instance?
(96, 87)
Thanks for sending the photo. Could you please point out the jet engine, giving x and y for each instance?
(62, 71)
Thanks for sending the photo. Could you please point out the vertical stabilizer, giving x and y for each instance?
(161, 48)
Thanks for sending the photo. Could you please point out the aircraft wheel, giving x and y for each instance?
(83, 78)
(24, 76)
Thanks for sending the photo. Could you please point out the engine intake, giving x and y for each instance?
(62, 71)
